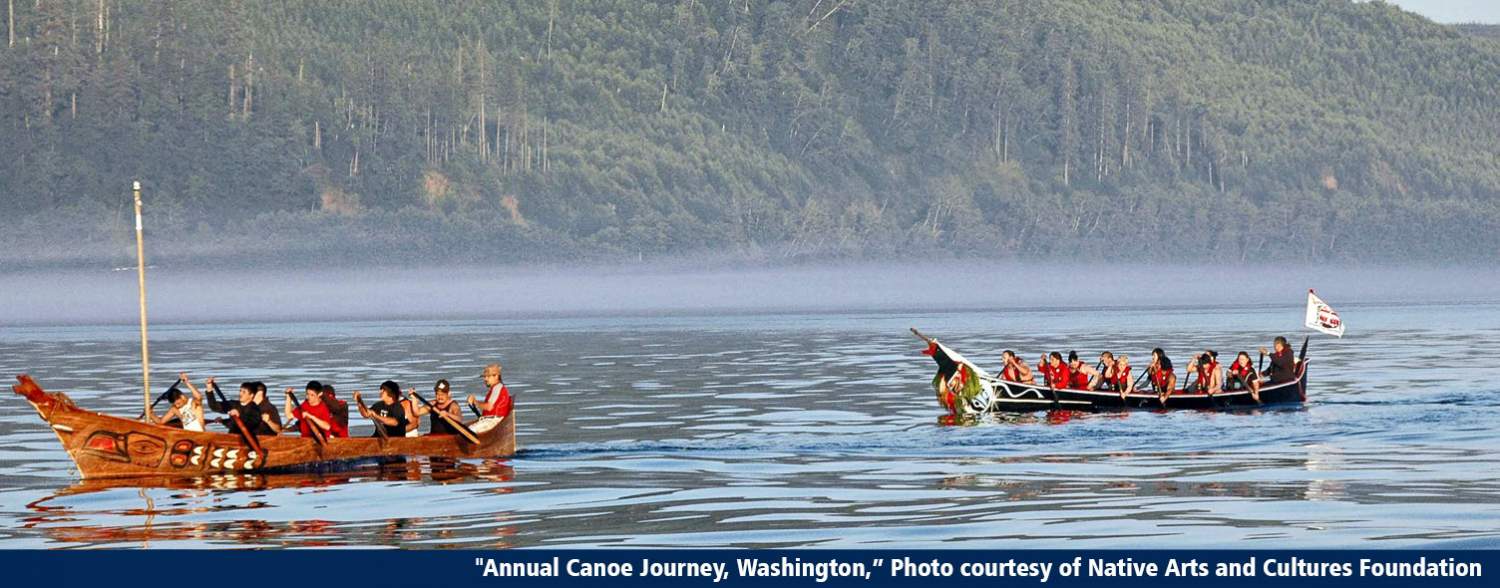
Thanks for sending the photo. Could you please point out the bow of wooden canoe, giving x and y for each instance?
(105, 446)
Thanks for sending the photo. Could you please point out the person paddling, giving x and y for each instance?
(389, 419)
(1055, 371)
(268, 412)
(245, 409)
(1283, 365)
(1210, 379)
(1242, 376)
(497, 401)
(1103, 379)
(338, 408)
(442, 400)
(313, 413)
(1015, 370)
(1079, 374)
(413, 422)
(186, 410)
(1162, 378)
(1120, 379)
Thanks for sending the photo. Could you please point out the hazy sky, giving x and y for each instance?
(1454, 10)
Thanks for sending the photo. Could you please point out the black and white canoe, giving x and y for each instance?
(993, 394)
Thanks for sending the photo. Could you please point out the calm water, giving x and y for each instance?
(807, 430)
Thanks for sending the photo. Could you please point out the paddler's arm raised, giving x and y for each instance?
(215, 403)
(197, 395)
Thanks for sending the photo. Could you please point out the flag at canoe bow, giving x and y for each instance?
(1321, 317)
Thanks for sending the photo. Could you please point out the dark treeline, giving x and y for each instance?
(537, 130)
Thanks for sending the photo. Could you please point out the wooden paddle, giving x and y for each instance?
(246, 434)
(379, 426)
(220, 393)
(1254, 394)
(462, 429)
(161, 398)
(477, 414)
(317, 432)
(1302, 368)
(1137, 383)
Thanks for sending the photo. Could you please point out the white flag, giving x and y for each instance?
(1321, 317)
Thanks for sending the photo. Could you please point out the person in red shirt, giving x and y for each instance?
(314, 413)
(1055, 371)
(497, 401)
(338, 408)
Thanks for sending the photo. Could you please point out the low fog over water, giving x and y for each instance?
(177, 295)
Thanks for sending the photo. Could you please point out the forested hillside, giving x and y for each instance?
(1205, 130)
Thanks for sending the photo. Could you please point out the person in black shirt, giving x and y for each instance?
(245, 408)
(387, 414)
(442, 400)
(269, 413)
(1283, 365)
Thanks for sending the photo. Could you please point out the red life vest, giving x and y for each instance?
(1206, 373)
(1057, 377)
(1120, 378)
(1235, 369)
(1080, 380)
(1010, 374)
(1159, 377)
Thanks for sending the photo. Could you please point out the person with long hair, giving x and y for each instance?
(1210, 378)
(1163, 380)
(1242, 376)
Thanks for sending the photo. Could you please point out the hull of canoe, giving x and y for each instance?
(1017, 397)
(105, 446)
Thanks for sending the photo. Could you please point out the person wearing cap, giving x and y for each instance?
(442, 400)
(497, 399)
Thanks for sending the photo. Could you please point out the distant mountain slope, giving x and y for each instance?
(1216, 129)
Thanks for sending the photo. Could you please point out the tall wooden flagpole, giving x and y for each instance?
(140, 272)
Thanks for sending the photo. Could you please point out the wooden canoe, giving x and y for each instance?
(984, 392)
(105, 446)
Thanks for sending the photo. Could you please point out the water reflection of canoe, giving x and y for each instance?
(981, 392)
(104, 446)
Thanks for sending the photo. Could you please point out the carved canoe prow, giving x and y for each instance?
(106, 446)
